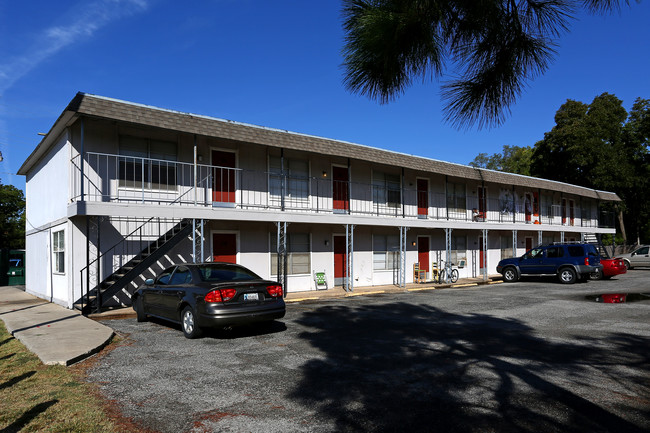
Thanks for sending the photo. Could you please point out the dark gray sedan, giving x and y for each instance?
(217, 295)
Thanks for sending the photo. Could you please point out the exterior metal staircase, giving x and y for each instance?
(113, 291)
(596, 240)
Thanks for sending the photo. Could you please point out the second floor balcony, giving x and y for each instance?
(126, 179)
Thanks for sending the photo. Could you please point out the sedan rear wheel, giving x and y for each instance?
(188, 323)
(567, 276)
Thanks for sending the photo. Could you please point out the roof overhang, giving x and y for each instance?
(144, 115)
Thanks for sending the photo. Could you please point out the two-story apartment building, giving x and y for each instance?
(118, 191)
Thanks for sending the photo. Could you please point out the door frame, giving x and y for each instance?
(417, 191)
(337, 281)
(237, 190)
(428, 262)
(347, 191)
(237, 243)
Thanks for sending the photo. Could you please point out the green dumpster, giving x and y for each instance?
(16, 272)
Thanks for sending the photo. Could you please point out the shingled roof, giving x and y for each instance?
(117, 110)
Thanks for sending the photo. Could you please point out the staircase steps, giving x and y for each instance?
(111, 289)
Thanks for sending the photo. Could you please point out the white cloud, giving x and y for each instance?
(88, 18)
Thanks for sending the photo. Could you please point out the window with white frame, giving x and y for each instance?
(385, 252)
(58, 252)
(147, 164)
(456, 198)
(458, 248)
(296, 182)
(386, 192)
(298, 254)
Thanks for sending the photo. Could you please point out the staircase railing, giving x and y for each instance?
(126, 251)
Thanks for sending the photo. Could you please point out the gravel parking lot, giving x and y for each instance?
(525, 357)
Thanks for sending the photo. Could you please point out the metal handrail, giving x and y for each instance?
(121, 241)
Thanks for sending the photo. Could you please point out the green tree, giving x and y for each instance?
(12, 217)
(494, 48)
(513, 159)
(600, 146)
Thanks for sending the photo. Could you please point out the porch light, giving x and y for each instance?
(413, 243)
(324, 174)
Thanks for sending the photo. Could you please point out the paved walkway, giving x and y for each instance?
(54, 333)
(58, 335)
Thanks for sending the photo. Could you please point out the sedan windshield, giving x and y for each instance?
(216, 273)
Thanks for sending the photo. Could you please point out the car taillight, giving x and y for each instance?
(228, 294)
(213, 296)
(587, 261)
(221, 295)
(275, 290)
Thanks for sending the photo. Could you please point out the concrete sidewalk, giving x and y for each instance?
(61, 336)
(54, 333)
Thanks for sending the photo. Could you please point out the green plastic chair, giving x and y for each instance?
(320, 280)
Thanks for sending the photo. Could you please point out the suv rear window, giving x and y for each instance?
(591, 251)
(576, 251)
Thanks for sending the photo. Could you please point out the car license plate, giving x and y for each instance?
(251, 297)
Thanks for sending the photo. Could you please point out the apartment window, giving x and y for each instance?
(385, 252)
(297, 182)
(456, 199)
(458, 249)
(58, 251)
(386, 192)
(298, 254)
(145, 163)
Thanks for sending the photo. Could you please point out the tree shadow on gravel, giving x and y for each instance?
(403, 367)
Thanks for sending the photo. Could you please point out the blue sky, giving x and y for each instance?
(275, 64)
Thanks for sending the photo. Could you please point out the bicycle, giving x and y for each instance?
(442, 275)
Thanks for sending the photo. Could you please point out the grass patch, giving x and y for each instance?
(46, 398)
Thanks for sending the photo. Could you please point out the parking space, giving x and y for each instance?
(529, 356)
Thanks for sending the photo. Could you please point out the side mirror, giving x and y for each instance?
(149, 281)
(633, 254)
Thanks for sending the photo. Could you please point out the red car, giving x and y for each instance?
(611, 267)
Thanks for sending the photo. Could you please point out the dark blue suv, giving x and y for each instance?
(568, 261)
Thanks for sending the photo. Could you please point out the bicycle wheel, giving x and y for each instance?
(442, 276)
(454, 275)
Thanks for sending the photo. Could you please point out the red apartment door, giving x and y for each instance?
(423, 253)
(529, 244)
(223, 177)
(423, 198)
(564, 204)
(571, 212)
(224, 247)
(340, 189)
(339, 260)
(481, 253)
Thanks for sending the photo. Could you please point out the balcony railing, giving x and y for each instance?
(125, 179)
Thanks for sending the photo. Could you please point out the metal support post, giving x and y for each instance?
(540, 238)
(402, 256)
(485, 254)
(448, 254)
(348, 279)
(282, 255)
(514, 243)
